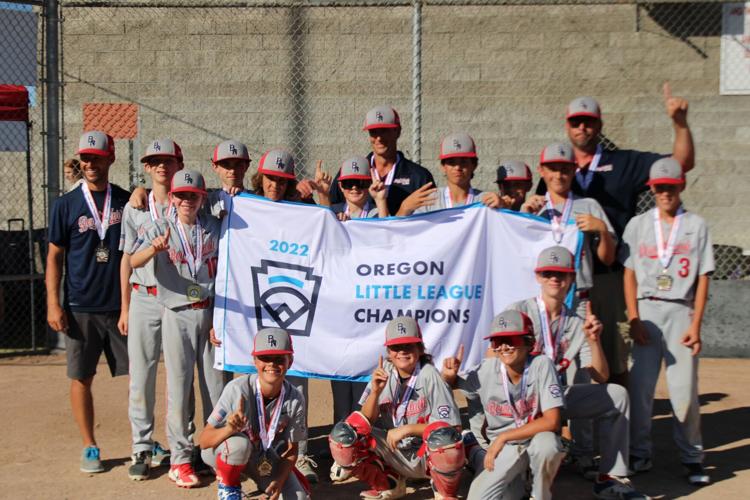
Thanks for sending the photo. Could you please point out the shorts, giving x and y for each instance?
(88, 335)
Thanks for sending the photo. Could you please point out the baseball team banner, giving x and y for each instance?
(335, 285)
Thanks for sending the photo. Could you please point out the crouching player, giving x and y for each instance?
(408, 426)
(522, 401)
(257, 424)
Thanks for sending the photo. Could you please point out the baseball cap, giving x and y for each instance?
(96, 142)
(557, 152)
(555, 258)
(229, 150)
(162, 147)
(356, 167)
(510, 323)
(382, 117)
(188, 181)
(277, 162)
(513, 170)
(458, 145)
(402, 330)
(583, 106)
(666, 171)
(270, 341)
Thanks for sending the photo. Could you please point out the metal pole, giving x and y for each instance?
(416, 88)
(30, 209)
(52, 29)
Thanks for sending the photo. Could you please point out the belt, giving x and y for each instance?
(150, 290)
(203, 304)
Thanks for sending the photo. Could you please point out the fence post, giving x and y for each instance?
(416, 87)
(52, 94)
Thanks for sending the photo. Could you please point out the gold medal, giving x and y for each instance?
(102, 254)
(265, 467)
(664, 282)
(193, 293)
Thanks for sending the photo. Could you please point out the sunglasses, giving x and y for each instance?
(553, 274)
(509, 342)
(576, 121)
(278, 359)
(666, 188)
(186, 195)
(403, 347)
(352, 183)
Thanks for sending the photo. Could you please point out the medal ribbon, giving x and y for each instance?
(365, 210)
(585, 181)
(559, 222)
(517, 417)
(391, 174)
(100, 223)
(449, 200)
(551, 344)
(155, 211)
(666, 251)
(399, 410)
(268, 433)
(193, 260)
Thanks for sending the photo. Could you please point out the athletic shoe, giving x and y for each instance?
(696, 474)
(638, 464)
(306, 465)
(339, 473)
(139, 468)
(183, 475)
(616, 488)
(230, 492)
(90, 460)
(159, 456)
(587, 467)
(398, 490)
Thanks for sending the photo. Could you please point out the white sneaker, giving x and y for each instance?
(397, 491)
(306, 465)
(339, 473)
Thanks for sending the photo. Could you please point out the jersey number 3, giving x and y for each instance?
(684, 267)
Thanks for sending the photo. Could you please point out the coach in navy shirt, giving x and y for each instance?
(615, 179)
(84, 231)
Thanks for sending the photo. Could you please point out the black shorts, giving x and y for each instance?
(88, 335)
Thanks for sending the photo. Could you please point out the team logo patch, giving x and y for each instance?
(379, 116)
(554, 258)
(286, 296)
(189, 179)
(232, 149)
(502, 323)
(555, 390)
(355, 167)
(456, 144)
(401, 329)
(271, 341)
(280, 163)
(443, 411)
(157, 146)
(92, 141)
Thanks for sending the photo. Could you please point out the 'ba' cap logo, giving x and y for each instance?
(92, 141)
(157, 146)
(271, 341)
(502, 323)
(232, 149)
(188, 179)
(554, 258)
(379, 116)
(355, 167)
(401, 329)
(456, 144)
(280, 162)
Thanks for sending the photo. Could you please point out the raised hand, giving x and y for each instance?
(677, 107)
(493, 200)
(379, 377)
(421, 197)
(451, 365)
(322, 178)
(592, 327)
(534, 204)
(161, 243)
(238, 420)
(377, 190)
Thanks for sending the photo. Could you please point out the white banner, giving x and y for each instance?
(335, 285)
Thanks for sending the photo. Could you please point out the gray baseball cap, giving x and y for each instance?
(557, 152)
(356, 167)
(583, 106)
(270, 341)
(555, 258)
(666, 171)
(188, 181)
(458, 145)
(230, 150)
(162, 147)
(510, 324)
(402, 330)
(278, 163)
(96, 142)
(382, 117)
(513, 170)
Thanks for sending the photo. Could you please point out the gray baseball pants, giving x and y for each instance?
(301, 384)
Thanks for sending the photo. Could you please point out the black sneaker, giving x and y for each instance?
(141, 466)
(696, 474)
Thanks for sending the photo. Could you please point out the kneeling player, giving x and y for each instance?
(408, 424)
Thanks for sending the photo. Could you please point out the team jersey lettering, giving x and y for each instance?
(650, 251)
(87, 223)
(413, 408)
(525, 408)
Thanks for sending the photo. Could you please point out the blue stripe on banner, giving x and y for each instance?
(296, 373)
(286, 279)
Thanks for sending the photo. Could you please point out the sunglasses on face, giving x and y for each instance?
(553, 274)
(352, 183)
(587, 121)
(666, 188)
(272, 359)
(508, 342)
(403, 347)
(183, 196)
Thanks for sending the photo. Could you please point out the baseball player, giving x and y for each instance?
(458, 159)
(513, 182)
(140, 317)
(257, 425)
(572, 343)
(84, 233)
(668, 256)
(408, 426)
(72, 173)
(364, 196)
(522, 401)
(184, 250)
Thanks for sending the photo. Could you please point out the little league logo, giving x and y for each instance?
(286, 296)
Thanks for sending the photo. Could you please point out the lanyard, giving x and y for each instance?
(267, 434)
(193, 260)
(559, 222)
(449, 200)
(363, 213)
(551, 344)
(517, 417)
(585, 181)
(100, 223)
(399, 410)
(155, 211)
(389, 177)
(665, 251)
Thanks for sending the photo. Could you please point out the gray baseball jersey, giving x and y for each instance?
(133, 221)
(693, 255)
(442, 200)
(431, 399)
(216, 202)
(171, 268)
(583, 206)
(543, 392)
(291, 422)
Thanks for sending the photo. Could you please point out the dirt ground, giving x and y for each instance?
(41, 456)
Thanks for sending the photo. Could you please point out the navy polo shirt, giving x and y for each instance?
(407, 178)
(89, 286)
